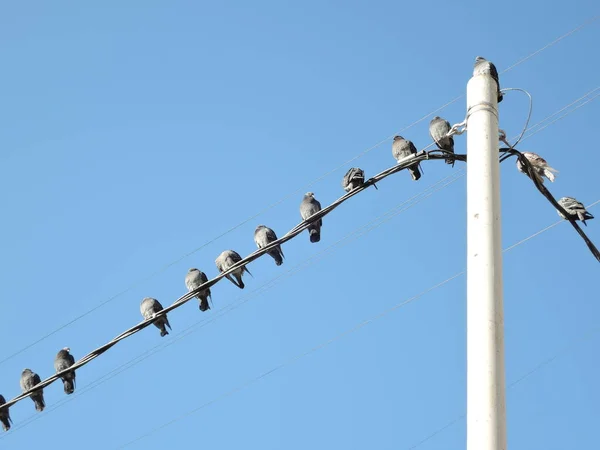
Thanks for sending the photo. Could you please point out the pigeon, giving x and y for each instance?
(403, 148)
(483, 66)
(438, 130)
(193, 280)
(227, 259)
(539, 165)
(4, 415)
(29, 380)
(149, 307)
(310, 206)
(575, 209)
(63, 361)
(354, 178)
(263, 236)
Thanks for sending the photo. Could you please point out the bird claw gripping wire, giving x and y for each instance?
(458, 129)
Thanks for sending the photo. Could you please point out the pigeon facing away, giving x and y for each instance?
(227, 259)
(149, 307)
(193, 280)
(4, 415)
(354, 178)
(483, 66)
(309, 207)
(263, 236)
(438, 130)
(63, 361)
(539, 165)
(29, 380)
(403, 148)
(575, 209)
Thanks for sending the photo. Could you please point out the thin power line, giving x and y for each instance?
(328, 342)
(167, 266)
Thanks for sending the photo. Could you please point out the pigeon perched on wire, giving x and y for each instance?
(193, 280)
(354, 178)
(438, 130)
(227, 259)
(63, 361)
(538, 164)
(483, 66)
(29, 380)
(403, 148)
(309, 207)
(4, 415)
(149, 307)
(575, 209)
(263, 236)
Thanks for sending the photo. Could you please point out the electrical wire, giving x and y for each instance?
(328, 342)
(168, 265)
(357, 233)
(406, 163)
(420, 156)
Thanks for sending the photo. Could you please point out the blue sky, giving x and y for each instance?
(135, 132)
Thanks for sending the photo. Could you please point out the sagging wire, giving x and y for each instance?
(409, 161)
(539, 184)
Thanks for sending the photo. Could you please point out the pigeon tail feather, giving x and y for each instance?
(204, 305)
(415, 173)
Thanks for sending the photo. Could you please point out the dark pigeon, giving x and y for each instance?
(149, 307)
(309, 207)
(29, 380)
(353, 179)
(263, 236)
(63, 361)
(4, 415)
(483, 66)
(227, 259)
(438, 130)
(403, 148)
(193, 280)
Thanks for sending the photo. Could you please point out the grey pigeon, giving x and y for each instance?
(438, 130)
(63, 361)
(483, 66)
(4, 415)
(227, 259)
(193, 280)
(403, 148)
(149, 307)
(29, 380)
(309, 207)
(354, 178)
(539, 165)
(575, 209)
(263, 236)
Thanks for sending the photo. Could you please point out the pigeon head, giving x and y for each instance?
(397, 138)
(259, 227)
(67, 349)
(310, 194)
(479, 59)
(192, 269)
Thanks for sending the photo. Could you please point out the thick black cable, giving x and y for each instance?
(408, 162)
(530, 172)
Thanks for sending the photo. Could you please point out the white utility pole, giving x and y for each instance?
(486, 404)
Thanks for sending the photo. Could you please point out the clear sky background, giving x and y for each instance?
(134, 132)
